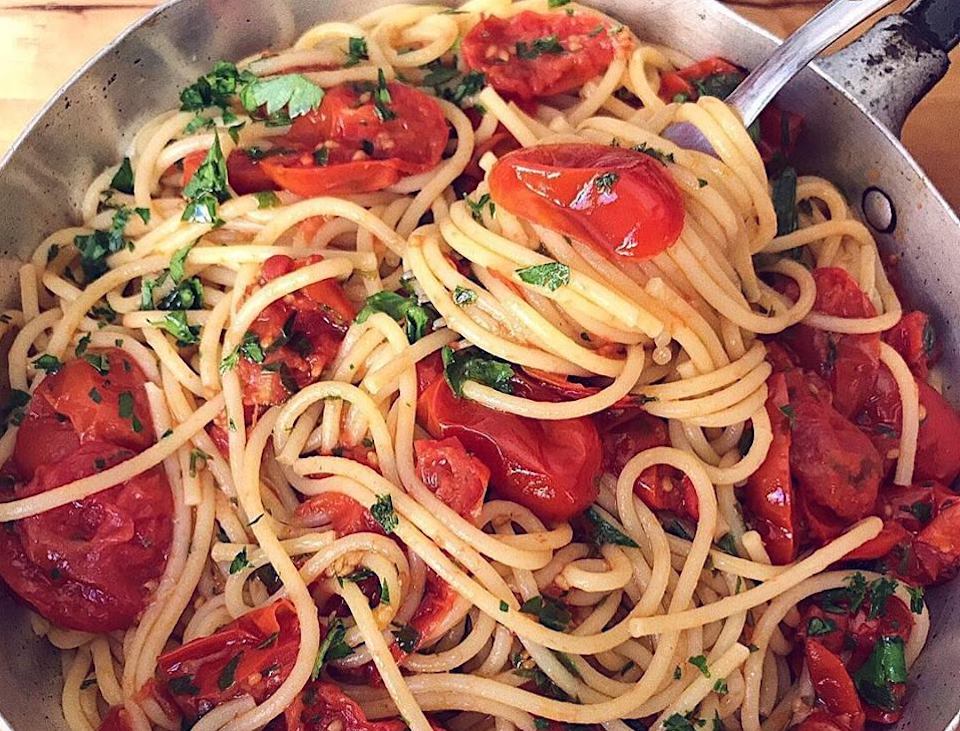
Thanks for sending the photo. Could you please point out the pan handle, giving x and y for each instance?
(893, 65)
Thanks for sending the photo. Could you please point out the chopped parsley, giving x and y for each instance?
(884, 668)
(123, 179)
(198, 460)
(657, 154)
(407, 637)
(921, 510)
(176, 324)
(463, 296)
(207, 188)
(720, 85)
(382, 99)
(700, 663)
(538, 47)
(784, 194)
(676, 722)
(356, 51)
(48, 363)
(551, 276)
(504, 607)
(720, 687)
(916, 599)
(603, 532)
(215, 88)
(182, 685)
(178, 262)
(728, 544)
(227, 675)
(97, 246)
(240, 562)
(82, 345)
(95, 395)
(476, 207)
(382, 512)
(604, 182)
(817, 626)
(269, 199)
(880, 591)
(292, 92)
(333, 647)
(473, 364)
(416, 318)
(788, 411)
(557, 3)
(548, 611)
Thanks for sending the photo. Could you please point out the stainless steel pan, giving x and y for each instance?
(854, 103)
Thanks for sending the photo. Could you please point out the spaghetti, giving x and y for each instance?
(360, 418)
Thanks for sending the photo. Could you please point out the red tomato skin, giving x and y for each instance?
(678, 82)
(660, 487)
(936, 550)
(88, 565)
(849, 363)
(322, 705)
(769, 494)
(834, 686)
(192, 163)
(301, 176)
(203, 660)
(45, 438)
(322, 316)
(550, 467)
(819, 721)
(637, 215)
(915, 340)
(342, 512)
(547, 74)
(247, 175)
(457, 478)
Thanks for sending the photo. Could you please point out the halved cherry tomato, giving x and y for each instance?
(532, 55)
(369, 144)
(298, 334)
(769, 496)
(116, 720)
(459, 479)
(246, 174)
(549, 467)
(344, 514)
(834, 686)
(79, 404)
(935, 555)
(915, 339)
(322, 706)
(250, 656)
(619, 201)
(90, 565)
(660, 487)
(192, 163)
(679, 83)
(849, 363)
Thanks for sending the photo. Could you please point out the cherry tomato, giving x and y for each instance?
(833, 639)
(550, 467)
(368, 143)
(79, 404)
(298, 334)
(892, 535)
(849, 363)
(938, 452)
(779, 133)
(438, 601)
(915, 339)
(834, 686)
(250, 656)
(532, 55)
(89, 565)
(246, 174)
(322, 706)
(458, 478)
(936, 551)
(660, 487)
(680, 83)
(192, 163)
(619, 201)
(769, 498)
(344, 514)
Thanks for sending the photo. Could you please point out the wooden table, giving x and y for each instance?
(44, 43)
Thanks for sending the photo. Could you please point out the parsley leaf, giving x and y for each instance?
(293, 91)
(229, 672)
(176, 324)
(473, 364)
(416, 317)
(382, 512)
(604, 182)
(215, 88)
(700, 663)
(604, 532)
(784, 196)
(463, 296)
(551, 276)
(48, 363)
(123, 179)
(207, 188)
(356, 51)
(549, 612)
(720, 85)
(476, 207)
(407, 637)
(885, 666)
(182, 685)
(916, 599)
(656, 154)
(382, 99)
(240, 562)
(269, 199)
(332, 648)
(817, 626)
(880, 591)
(96, 247)
(538, 47)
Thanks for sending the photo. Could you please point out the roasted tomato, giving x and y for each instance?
(362, 138)
(458, 478)
(769, 495)
(938, 452)
(849, 363)
(550, 467)
(660, 487)
(246, 174)
(297, 336)
(81, 403)
(116, 720)
(90, 565)
(532, 55)
(619, 201)
(341, 512)
(834, 687)
(915, 339)
(322, 706)
(250, 656)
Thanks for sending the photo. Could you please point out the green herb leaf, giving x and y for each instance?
(356, 51)
(332, 648)
(407, 637)
(176, 324)
(226, 678)
(476, 207)
(269, 199)
(700, 663)
(504, 607)
(382, 512)
(382, 99)
(239, 562)
(416, 317)
(473, 364)
(657, 154)
(463, 296)
(718, 85)
(122, 180)
(921, 510)
(178, 262)
(540, 46)
(293, 91)
(880, 591)
(198, 460)
(728, 544)
(885, 667)
(95, 396)
(785, 201)
(182, 685)
(720, 687)
(604, 532)
(604, 182)
(551, 276)
(791, 413)
(549, 612)
(817, 626)
(215, 88)
(676, 722)
(557, 3)
(48, 363)
(207, 188)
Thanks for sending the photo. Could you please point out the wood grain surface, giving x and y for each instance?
(43, 43)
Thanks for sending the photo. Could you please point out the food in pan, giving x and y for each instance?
(409, 378)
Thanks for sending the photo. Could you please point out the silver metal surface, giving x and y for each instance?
(94, 117)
